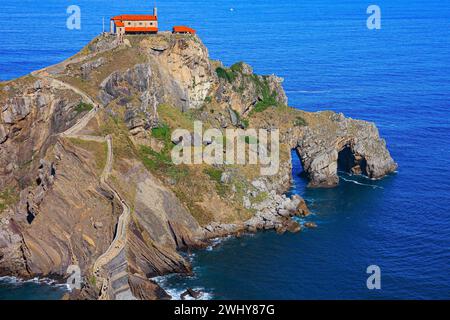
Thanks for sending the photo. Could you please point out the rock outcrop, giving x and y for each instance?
(241, 89)
(84, 158)
(349, 145)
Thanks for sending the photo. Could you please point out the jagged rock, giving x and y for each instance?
(246, 203)
(310, 225)
(123, 84)
(245, 89)
(127, 43)
(3, 134)
(191, 293)
(303, 209)
(144, 289)
(98, 225)
(246, 69)
(275, 85)
(226, 177)
(37, 85)
(260, 185)
(103, 43)
(88, 67)
(281, 229)
(284, 213)
(233, 117)
(16, 110)
(293, 226)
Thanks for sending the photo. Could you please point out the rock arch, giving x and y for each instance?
(352, 146)
(322, 165)
(350, 162)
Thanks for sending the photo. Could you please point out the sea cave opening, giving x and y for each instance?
(350, 163)
(298, 171)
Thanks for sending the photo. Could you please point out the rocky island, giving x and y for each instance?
(85, 173)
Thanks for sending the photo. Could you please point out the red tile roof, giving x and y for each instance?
(141, 29)
(183, 29)
(119, 23)
(135, 17)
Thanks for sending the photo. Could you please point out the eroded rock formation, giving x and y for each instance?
(84, 156)
(340, 143)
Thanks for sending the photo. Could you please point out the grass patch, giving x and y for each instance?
(202, 216)
(98, 149)
(83, 107)
(8, 197)
(173, 117)
(161, 163)
(264, 104)
(123, 147)
(260, 197)
(216, 176)
(161, 133)
(93, 281)
(269, 99)
(214, 173)
(230, 74)
(154, 160)
(237, 67)
(226, 74)
(300, 122)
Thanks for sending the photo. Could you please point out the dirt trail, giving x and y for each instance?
(61, 66)
(119, 240)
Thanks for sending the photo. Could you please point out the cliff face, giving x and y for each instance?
(86, 177)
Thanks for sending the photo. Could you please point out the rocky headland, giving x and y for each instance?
(85, 171)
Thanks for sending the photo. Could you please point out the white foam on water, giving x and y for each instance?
(361, 184)
(36, 280)
(176, 293)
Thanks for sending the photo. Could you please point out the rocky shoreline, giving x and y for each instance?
(275, 213)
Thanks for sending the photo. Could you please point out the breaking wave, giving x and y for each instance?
(361, 184)
(41, 281)
(176, 292)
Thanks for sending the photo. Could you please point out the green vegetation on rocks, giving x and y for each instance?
(237, 67)
(8, 197)
(300, 122)
(162, 133)
(260, 197)
(214, 174)
(83, 107)
(225, 74)
(268, 98)
(230, 74)
(161, 162)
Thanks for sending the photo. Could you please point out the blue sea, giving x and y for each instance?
(398, 77)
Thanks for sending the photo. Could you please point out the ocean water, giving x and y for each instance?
(397, 77)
